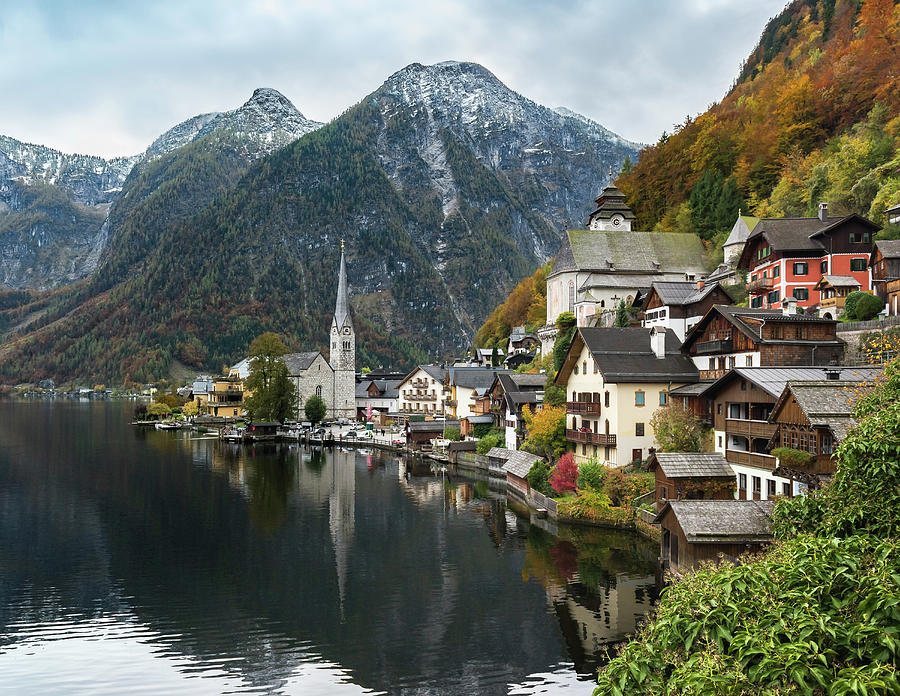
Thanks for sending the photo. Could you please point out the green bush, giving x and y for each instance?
(452, 434)
(868, 306)
(494, 438)
(538, 478)
(792, 457)
(591, 474)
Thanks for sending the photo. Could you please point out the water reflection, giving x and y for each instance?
(277, 569)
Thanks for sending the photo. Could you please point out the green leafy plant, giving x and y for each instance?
(792, 457)
(538, 477)
(591, 474)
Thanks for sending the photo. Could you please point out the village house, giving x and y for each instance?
(786, 257)
(893, 214)
(226, 398)
(466, 384)
(512, 393)
(814, 417)
(420, 435)
(615, 378)
(382, 396)
(520, 341)
(833, 291)
(730, 336)
(422, 392)
(597, 268)
(739, 408)
(885, 266)
(679, 305)
(708, 530)
(691, 476)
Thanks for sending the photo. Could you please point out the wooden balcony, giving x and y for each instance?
(587, 408)
(760, 285)
(722, 346)
(590, 438)
(750, 428)
(420, 397)
(760, 461)
(712, 374)
(836, 302)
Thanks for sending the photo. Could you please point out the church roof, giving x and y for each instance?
(298, 362)
(635, 252)
(342, 304)
(743, 226)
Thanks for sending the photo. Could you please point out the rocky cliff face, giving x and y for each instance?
(58, 211)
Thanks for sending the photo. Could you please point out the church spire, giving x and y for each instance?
(342, 305)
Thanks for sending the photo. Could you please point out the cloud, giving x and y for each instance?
(106, 77)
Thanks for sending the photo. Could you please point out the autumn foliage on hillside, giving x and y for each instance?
(812, 117)
(525, 306)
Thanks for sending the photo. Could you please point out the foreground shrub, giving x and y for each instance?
(591, 474)
(565, 474)
(539, 478)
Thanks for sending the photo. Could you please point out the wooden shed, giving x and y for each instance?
(700, 530)
(517, 467)
(691, 476)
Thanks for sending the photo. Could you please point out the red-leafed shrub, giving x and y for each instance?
(565, 475)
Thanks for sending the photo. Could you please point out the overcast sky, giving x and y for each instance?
(106, 77)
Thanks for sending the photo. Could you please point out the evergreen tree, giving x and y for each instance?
(622, 315)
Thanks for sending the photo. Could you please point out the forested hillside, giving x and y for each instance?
(526, 306)
(813, 116)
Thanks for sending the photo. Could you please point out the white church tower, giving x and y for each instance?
(343, 350)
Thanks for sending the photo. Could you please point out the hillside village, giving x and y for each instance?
(640, 329)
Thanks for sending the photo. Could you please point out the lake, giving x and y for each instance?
(134, 561)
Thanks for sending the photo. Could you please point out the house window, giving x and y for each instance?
(757, 484)
(731, 362)
(753, 277)
(576, 368)
(639, 430)
(785, 488)
(776, 271)
(639, 398)
(823, 267)
(663, 492)
(801, 294)
(742, 482)
(857, 264)
(719, 409)
(720, 440)
(756, 302)
(606, 399)
(663, 399)
(773, 296)
(770, 488)
(596, 369)
(749, 361)
(801, 268)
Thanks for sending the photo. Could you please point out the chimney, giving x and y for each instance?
(658, 341)
(823, 211)
(789, 306)
(832, 373)
(700, 284)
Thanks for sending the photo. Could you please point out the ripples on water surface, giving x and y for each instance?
(145, 562)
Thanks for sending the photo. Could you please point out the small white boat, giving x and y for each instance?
(168, 425)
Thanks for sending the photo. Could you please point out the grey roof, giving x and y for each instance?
(840, 281)
(722, 521)
(480, 419)
(519, 463)
(610, 201)
(674, 292)
(436, 372)
(792, 234)
(692, 465)
(474, 377)
(431, 426)
(649, 252)
(526, 379)
(388, 388)
(499, 453)
(889, 248)
(893, 209)
(624, 355)
(298, 362)
(827, 403)
(695, 389)
(743, 226)
(774, 379)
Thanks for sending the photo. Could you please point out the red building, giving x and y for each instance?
(786, 257)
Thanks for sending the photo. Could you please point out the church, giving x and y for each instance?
(334, 380)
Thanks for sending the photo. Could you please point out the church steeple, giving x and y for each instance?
(342, 304)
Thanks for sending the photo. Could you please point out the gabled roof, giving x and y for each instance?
(680, 293)
(474, 377)
(436, 372)
(499, 453)
(889, 248)
(749, 321)
(722, 521)
(825, 403)
(617, 252)
(838, 281)
(387, 388)
(773, 380)
(520, 389)
(519, 463)
(298, 362)
(625, 355)
(691, 465)
(431, 426)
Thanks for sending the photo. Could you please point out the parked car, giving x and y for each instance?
(350, 433)
(319, 432)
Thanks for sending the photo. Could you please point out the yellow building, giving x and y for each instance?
(615, 378)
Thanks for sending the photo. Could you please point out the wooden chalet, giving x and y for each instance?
(709, 530)
(728, 337)
(678, 305)
(419, 434)
(885, 267)
(814, 417)
(691, 476)
(833, 291)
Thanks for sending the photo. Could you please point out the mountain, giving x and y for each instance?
(54, 207)
(811, 117)
(446, 186)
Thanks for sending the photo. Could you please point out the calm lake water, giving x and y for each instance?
(145, 562)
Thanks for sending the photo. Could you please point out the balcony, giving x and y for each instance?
(760, 461)
(750, 428)
(590, 438)
(837, 302)
(725, 345)
(587, 408)
(420, 397)
(760, 285)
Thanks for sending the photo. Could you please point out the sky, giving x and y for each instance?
(106, 77)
